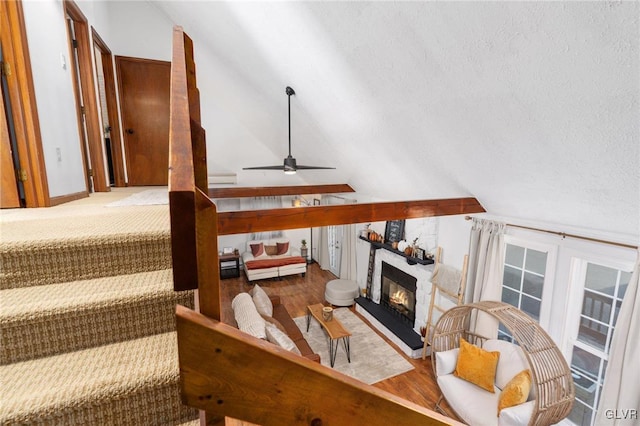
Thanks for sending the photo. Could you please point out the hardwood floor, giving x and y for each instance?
(296, 292)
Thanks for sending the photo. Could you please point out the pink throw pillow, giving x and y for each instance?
(282, 248)
(257, 249)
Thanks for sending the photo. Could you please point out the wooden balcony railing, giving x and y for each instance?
(225, 372)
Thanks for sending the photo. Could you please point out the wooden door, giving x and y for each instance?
(9, 190)
(144, 99)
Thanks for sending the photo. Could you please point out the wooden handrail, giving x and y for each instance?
(228, 373)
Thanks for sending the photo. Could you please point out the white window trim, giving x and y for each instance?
(549, 275)
(579, 261)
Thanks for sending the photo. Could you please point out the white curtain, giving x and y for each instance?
(620, 391)
(266, 203)
(486, 266)
(348, 257)
(323, 249)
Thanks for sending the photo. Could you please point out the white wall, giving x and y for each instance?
(48, 48)
(139, 29)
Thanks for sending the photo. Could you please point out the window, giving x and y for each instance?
(526, 268)
(603, 289)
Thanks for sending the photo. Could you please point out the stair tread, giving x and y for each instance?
(89, 376)
(30, 302)
(106, 222)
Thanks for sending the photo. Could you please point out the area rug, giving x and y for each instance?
(372, 359)
(145, 198)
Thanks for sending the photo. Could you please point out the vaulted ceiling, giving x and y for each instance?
(531, 107)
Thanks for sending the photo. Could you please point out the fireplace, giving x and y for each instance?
(399, 293)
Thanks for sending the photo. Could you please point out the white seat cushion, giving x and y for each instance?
(473, 404)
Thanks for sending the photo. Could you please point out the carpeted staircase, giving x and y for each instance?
(87, 317)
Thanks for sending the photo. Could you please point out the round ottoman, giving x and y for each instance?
(341, 292)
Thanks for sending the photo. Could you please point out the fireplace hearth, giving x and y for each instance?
(398, 293)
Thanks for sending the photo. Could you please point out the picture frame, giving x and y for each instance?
(227, 250)
(419, 254)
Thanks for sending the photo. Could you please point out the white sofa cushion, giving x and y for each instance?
(262, 301)
(473, 404)
(247, 316)
(511, 362)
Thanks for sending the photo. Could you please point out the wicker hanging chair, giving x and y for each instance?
(550, 373)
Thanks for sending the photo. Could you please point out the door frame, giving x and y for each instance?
(112, 108)
(118, 61)
(23, 104)
(88, 88)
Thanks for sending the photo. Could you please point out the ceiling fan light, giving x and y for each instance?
(290, 165)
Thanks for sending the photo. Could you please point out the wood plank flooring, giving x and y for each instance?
(296, 292)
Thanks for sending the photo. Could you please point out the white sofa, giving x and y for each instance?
(289, 263)
(476, 406)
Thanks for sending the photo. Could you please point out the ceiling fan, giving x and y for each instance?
(289, 167)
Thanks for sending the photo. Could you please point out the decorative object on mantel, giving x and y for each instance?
(402, 245)
(411, 260)
(365, 232)
(289, 167)
(394, 231)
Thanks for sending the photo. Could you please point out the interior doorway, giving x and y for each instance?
(91, 135)
(105, 78)
(144, 87)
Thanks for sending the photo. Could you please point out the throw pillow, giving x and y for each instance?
(516, 391)
(257, 250)
(446, 362)
(476, 365)
(271, 250)
(279, 338)
(247, 316)
(283, 248)
(262, 301)
(274, 321)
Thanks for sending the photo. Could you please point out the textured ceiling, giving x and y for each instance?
(531, 107)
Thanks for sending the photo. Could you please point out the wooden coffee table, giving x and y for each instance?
(334, 329)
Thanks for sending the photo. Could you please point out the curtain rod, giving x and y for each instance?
(564, 235)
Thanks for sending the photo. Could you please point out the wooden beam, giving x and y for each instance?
(266, 191)
(241, 222)
(229, 373)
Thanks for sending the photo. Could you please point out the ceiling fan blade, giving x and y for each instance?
(264, 168)
(300, 167)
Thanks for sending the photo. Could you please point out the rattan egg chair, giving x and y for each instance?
(551, 376)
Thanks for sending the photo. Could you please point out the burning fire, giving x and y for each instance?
(399, 298)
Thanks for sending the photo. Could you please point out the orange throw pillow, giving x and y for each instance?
(476, 365)
(516, 391)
